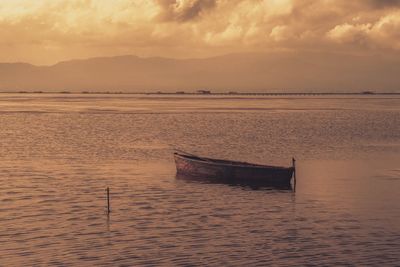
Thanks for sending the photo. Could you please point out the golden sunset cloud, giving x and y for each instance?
(47, 31)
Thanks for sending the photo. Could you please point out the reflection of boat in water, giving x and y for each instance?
(192, 166)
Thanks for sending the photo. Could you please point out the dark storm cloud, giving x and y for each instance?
(384, 3)
(182, 11)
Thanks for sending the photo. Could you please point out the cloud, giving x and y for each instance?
(383, 33)
(46, 31)
(280, 33)
(349, 33)
(183, 10)
(385, 3)
(386, 31)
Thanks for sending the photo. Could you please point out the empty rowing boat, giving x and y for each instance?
(231, 171)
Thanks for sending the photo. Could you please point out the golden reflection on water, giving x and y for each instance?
(56, 164)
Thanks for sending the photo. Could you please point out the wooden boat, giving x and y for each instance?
(231, 171)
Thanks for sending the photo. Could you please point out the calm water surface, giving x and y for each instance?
(59, 152)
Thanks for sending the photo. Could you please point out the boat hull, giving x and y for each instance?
(232, 172)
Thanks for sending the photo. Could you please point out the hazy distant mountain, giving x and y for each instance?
(235, 72)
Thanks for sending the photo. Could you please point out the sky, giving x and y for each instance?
(48, 31)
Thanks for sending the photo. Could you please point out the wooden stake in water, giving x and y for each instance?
(108, 200)
(294, 173)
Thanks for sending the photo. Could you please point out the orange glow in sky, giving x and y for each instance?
(48, 31)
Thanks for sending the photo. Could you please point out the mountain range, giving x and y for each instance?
(250, 72)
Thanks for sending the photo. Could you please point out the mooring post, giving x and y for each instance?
(294, 173)
(108, 200)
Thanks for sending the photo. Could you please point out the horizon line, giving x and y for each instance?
(201, 92)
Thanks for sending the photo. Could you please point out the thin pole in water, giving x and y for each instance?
(108, 200)
(294, 173)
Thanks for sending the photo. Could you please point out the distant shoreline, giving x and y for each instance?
(367, 93)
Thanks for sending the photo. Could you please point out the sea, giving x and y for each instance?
(59, 153)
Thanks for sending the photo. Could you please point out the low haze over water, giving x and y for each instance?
(59, 152)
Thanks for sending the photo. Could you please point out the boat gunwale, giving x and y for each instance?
(229, 163)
